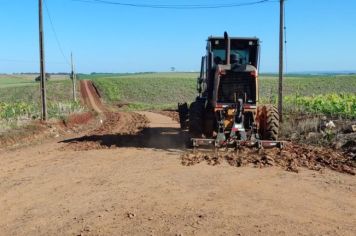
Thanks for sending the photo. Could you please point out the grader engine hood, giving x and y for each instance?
(233, 82)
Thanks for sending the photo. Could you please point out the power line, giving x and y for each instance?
(20, 61)
(55, 34)
(175, 6)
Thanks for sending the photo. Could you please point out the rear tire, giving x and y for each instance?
(268, 119)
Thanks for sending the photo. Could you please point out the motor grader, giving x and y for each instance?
(226, 111)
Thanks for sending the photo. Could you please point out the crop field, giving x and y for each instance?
(148, 91)
(308, 85)
(330, 95)
(6, 81)
(24, 80)
(20, 98)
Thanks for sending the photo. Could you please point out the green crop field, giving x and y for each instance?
(11, 81)
(148, 91)
(20, 98)
(165, 90)
(308, 85)
(25, 80)
(333, 104)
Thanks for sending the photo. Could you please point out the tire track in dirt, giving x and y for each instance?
(132, 130)
(90, 96)
(159, 120)
(142, 129)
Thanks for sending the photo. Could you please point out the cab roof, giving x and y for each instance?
(233, 38)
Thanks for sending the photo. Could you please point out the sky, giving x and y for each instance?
(321, 35)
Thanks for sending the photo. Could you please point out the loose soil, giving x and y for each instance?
(125, 178)
(78, 119)
(291, 158)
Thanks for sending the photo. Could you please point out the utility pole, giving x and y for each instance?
(280, 83)
(73, 77)
(42, 63)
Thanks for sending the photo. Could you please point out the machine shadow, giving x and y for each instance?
(156, 138)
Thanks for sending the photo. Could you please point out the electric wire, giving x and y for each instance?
(21, 61)
(175, 6)
(55, 34)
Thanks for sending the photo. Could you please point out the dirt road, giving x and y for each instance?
(90, 96)
(118, 180)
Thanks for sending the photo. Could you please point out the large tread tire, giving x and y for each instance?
(183, 112)
(268, 119)
(196, 113)
(209, 124)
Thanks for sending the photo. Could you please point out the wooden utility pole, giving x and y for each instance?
(280, 83)
(73, 77)
(42, 63)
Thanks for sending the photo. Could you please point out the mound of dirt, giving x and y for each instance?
(78, 119)
(290, 158)
(121, 123)
(113, 124)
(38, 131)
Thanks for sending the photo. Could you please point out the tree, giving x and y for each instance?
(48, 77)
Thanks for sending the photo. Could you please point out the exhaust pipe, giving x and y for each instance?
(227, 48)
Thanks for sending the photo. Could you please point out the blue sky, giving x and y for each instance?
(105, 38)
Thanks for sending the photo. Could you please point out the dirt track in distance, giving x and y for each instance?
(90, 96)
(126, 178)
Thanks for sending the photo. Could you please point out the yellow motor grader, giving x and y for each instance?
(226, 111)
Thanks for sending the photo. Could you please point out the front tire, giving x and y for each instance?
(268, 120)
(196, 112)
